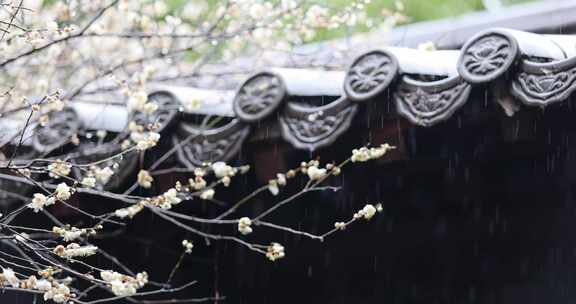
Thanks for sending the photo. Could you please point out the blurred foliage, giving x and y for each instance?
(418, 10)
(415, 10)
(422, 10)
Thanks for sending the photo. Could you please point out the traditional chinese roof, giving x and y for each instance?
(311, 108)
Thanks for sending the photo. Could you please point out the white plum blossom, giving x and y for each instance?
(360, 155)
(378, 152)
(121, 289)
(368, 211)
(68, 235)
(244, 225)
(197, 183)
(340, 225)
(317, 16)
(226, 181)
(221, 169)
(138, 100)
(29, 283)
(63, 192)
(273, 187)
(274, 183)
(123, 285)
(10, 277)
(146, 140)
(75, 250)
(110, 276)
(145, 179)
(103, 174)
(58, 293)
(171, 197)
(207, 194)
(199, 172)
(40, 201)
(129, 212)
(89, 182)
(281, 179)
(193, 9)
(188, 245)
(336, 171)
(275, 251)
(43, 285)
(150, 108)
(315, 173)
(59, 169)
(364, 154)
(73, 233)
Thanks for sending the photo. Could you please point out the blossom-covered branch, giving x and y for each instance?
(53, 53)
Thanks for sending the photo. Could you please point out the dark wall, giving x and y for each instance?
(479, 209)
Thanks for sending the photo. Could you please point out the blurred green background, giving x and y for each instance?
(418, 10)
(415, 10)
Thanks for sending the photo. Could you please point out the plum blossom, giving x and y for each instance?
(275, 251)
(364, 154)
(221, 169)
(89, 182)
(138, 100)
(58, 293)
(75, 250)
(171, 197)
(207, 194)
(63, 192)
(129, 212)
(8, 275)
(123, 285)
(146, 140)
(274, 183)
(59, 169)
(340, 225)
(103, 174)
(244, 225)
(368, 211)
(315, 173)
(40, 201)
(73, 233)
(188, 245)
(145, 179)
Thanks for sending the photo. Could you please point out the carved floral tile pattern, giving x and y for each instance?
(427, 104)
(369, 75)
(259, 96)
(541, 84)
(487, 56)
(196, 146)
